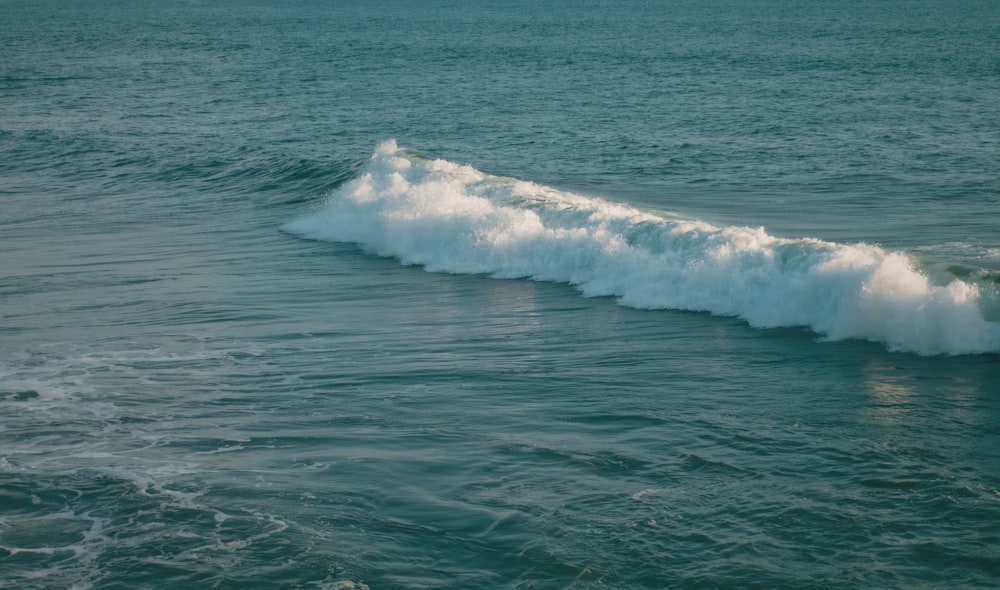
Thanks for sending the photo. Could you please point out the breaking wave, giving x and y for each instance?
(453, 218)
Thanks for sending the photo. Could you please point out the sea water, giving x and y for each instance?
(396, 294)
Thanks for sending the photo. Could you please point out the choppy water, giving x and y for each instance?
(562, 295)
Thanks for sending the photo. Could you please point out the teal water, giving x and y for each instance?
(451, 295)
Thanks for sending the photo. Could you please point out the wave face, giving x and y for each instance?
(453, 218)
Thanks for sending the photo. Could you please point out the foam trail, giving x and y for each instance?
(454, 218)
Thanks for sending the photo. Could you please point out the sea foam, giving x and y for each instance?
(453, 218)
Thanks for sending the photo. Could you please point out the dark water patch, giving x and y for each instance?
(19, 396)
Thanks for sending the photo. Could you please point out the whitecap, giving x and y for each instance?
(453, 218)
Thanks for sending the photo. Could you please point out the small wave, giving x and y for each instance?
(454, 218)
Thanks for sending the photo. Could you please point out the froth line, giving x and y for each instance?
(453, 218)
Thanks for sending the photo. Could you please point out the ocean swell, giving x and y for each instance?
(454, 218)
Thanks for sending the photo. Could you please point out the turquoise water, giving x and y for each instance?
(455, 295)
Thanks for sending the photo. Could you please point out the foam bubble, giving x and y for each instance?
(449, 217)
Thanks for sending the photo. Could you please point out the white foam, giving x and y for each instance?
(454, 218)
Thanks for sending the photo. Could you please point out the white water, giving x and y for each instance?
(454, 218)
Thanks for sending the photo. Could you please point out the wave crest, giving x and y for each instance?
(453, 218)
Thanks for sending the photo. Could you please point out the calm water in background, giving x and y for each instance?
(193, 393)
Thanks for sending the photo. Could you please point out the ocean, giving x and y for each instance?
(572, 294)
